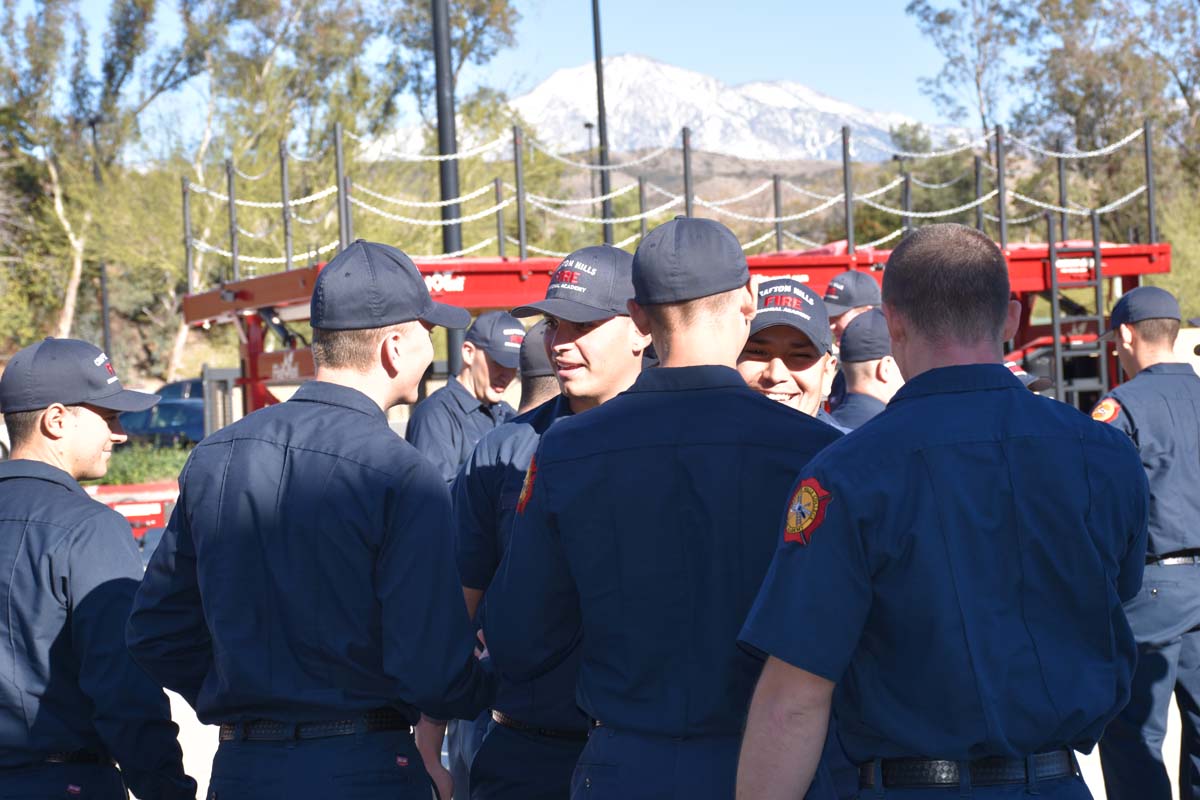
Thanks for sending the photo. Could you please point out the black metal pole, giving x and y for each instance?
(285, 193)
(602, 124)
(847, 189)
(777, 185)
(642, 224)
(499, 217)
(343, 206)
(1151, 221)
(519, 177)
(688, 194)
(448, 168)
(1002, 197)
(104, 310)
(978, 192)
(1062, 190)
(189, 253)
(233, 223)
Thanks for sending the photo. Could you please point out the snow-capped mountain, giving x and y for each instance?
(648, 102)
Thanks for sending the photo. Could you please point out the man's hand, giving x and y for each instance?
(429, 735)
(785, 733)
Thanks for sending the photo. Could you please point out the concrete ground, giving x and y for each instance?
(200, 743)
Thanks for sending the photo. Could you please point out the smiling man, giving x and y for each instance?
(446, 425)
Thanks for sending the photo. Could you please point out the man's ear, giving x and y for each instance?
(748, 297)
(897, 325)
(639, 316)
(55, 421)
(1012, 320)
(469, 351)
(1127, 333)
(885, 369)
(638, 341)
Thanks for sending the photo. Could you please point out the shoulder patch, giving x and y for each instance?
(806, 511)
(1108, 410)
(527, 486)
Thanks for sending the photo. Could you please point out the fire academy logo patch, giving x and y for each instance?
(806, 511)
(527, 486)
(1108, 410)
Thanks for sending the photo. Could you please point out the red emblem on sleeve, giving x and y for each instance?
(527, 486)
(806, 511)
(1108, 410)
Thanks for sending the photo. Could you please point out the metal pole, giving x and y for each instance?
(689, 198)
(285, 193)
(519, 176)
(447, 168)
(1062, 189)
(777, 185)
(1152, 224)
(343, 207)
(349, 220)
(978, 192)
(602, 124)
(847, 189)
(233, 223)
(189, 254)
(1002, 197)
(107, 324)
(642, 225)
(499, 218)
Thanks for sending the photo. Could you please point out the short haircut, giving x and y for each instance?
(538, 386)
(950, 282)
(1159, 330)
(858, 372)
(352, 349)
(22, 425)
(672, 316)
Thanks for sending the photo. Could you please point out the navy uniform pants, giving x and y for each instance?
(367, 766)
(1165, 618)
(67, 781)
(517, 765)
(623, 765)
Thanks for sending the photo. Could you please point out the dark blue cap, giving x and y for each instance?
(372, 285)
(851, 290)
(787, 301)
(65, 371)
(1144, 302)
(499, 335)
(686, 259)
(866, 338)
(534, 361)
(590, 285)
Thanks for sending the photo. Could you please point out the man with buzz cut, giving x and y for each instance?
(72, 701)
(644, 529)
(872, 377)
(537, 730)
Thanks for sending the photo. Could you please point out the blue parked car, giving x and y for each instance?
(168, 424)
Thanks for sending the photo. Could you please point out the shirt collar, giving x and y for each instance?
(39, 470)
(466, 401)
(964, 378)
(860, 400)
(335, 394)
(684, 379)
(1170, 368)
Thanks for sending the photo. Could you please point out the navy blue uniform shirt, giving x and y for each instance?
(448, 424)
(855, 409)
(68, 572)
(307, 572)
(1159, 409)
(645, 529)
(957, 567)
(485, 501)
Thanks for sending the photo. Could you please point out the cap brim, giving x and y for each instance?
(1194, 322)
(759, 323)
(126, 400)
(509, 359)
(1107, 336)
(447, 316)
(1037, 383)
(562, 308)
(836, 309)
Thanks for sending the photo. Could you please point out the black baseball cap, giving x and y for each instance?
(589, 285)
(866, 338)
(534, 361)
(786, 301)
(686, 259)
(1034, 383)
(851, 290)
(372, 285)
(498, 334)
(1144, 302)
(66, 371)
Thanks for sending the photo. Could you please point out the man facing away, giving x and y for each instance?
(1159, 410)
(538, 730)
(955, 568)
(872, 377)
(304, 595)
(644, 529)
(71, 699)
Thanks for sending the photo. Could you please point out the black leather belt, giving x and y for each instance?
(1174, 559)
(983, 772)
(79, 757)
(550, 733)
(269, 730)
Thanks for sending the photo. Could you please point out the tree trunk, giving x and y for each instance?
(66, 318)
(177, 350)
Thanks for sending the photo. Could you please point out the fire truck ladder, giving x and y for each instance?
(1070, 384)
